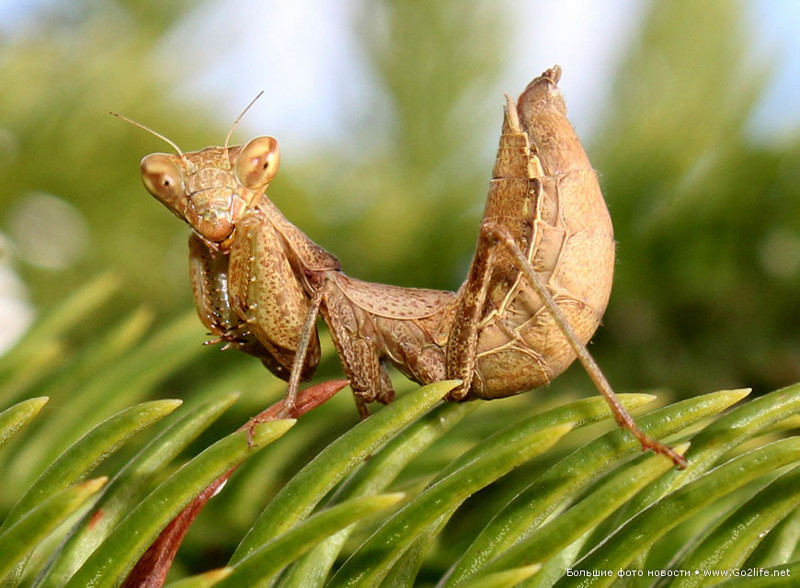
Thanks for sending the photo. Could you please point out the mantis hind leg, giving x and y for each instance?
(502, 237)
(462, 342)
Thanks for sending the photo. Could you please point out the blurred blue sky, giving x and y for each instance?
(303, 55)
(308, 48)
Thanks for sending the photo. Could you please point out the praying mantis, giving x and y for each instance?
(535, 293)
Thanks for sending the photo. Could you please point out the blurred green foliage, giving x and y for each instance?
(707, 218)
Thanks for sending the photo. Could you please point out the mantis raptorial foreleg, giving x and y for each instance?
(267, 294)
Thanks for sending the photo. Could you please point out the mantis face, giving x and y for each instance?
(211, 189)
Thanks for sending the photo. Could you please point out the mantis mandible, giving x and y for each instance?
(535, 293)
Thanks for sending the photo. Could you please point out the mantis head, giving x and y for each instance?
(211, 189)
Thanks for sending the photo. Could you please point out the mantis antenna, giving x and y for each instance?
(238, 118)
(159, 135)
(173, 144)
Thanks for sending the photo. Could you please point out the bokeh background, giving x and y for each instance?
(388, 115)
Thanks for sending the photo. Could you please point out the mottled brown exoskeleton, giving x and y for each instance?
(536, 290)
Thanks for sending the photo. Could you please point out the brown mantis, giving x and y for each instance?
(536, 290)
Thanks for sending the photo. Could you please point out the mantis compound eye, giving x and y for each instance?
(162, 178)
(258, 163)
